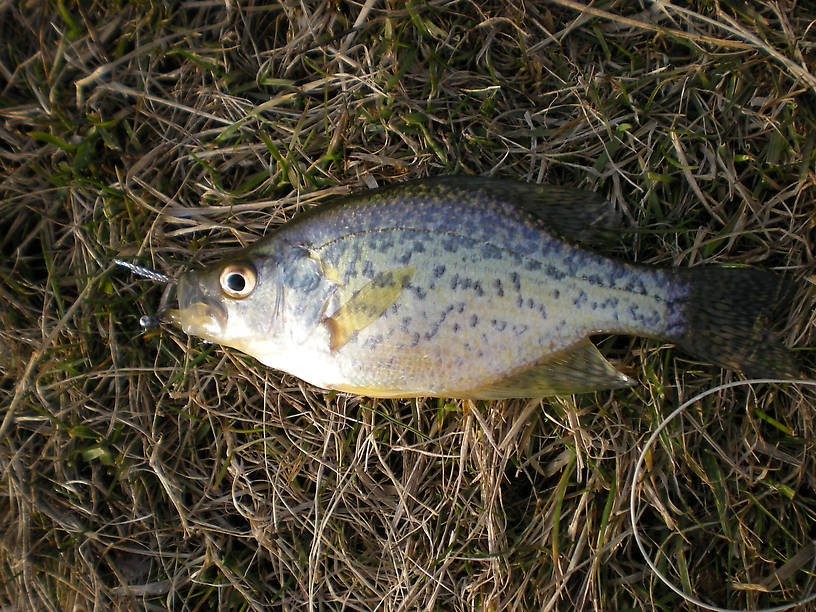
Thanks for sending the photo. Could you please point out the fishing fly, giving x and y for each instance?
(147, 322)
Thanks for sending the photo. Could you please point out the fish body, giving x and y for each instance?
(464, 287)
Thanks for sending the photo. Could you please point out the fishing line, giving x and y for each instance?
(148, 322)
(634, 498)
(145, 272)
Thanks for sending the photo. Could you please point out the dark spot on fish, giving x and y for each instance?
(434, 328)
(518, 260)
(415, 339)
(554, 273)
(373, 341)
(356, 255)
(616, 272)
(368, 269)
(349, 275)
(438, 271)
(454, 282)
(405, 324)
(450, 244)
(675, 321)
(518, 330)
(530, 303)
(542, 310)
(514, 278)
(474, 320)
(594, 279)
(477, 289)
(491, 252)
(405, 257)
(420, 293)
(635, 285)
(367, 310)
(532, 264)
(455, 328)
(499, 325)
(556, 293)
(382, 279)
(580, 300)
(419, 247)
(593, 305)
(460, 307)
(519, 302)
(610, 303)
(499, 289)
(385, 244)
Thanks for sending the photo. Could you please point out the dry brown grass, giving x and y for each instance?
(152, 471)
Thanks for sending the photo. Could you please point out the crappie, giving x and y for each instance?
(466, 287)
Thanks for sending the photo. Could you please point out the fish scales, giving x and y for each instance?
(461, 308)
(447, 287)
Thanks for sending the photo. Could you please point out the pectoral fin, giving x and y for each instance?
(366, 305)
(578, 369)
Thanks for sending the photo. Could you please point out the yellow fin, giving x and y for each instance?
(366, 305)
(579, 369)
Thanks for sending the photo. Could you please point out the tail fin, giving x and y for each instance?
(729, 313)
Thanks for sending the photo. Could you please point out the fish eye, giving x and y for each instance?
(237, 280)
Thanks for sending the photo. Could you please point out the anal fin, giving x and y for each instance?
(578, 369)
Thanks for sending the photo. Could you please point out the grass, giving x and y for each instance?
(153, 471)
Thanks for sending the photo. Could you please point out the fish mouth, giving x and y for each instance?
(197, 314)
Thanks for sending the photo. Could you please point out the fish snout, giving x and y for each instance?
(198, 313)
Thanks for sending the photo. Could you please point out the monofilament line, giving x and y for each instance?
(633, 495)
(144, 272)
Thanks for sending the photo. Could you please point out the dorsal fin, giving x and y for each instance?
(576, 214)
